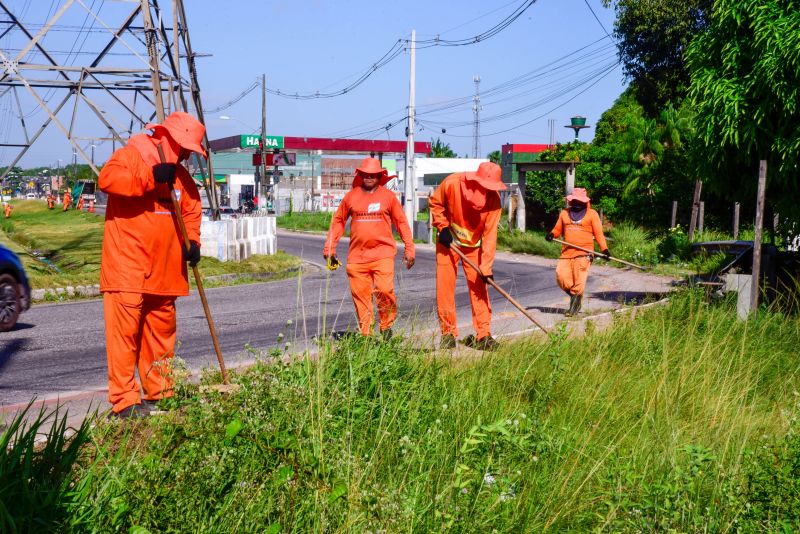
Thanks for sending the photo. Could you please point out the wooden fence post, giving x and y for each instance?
(698, 188)
(755, 278)
(674, 217)
(701, 217)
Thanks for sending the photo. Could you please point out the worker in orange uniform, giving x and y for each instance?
(67, 200)
(370, 260)
(51, 201)
(465, 210)
(143, 266)
(91, 206)
(8, 210)
(580, 225)
(80, 204)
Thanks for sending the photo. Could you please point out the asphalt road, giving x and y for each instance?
(59, 349)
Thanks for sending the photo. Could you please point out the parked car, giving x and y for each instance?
(30, 196)
(15, 292)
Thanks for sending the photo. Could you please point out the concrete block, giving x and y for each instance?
(740, 283)
(238, 239)
(37, 294)
(70, 291)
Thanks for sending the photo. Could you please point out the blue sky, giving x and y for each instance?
(314, 45)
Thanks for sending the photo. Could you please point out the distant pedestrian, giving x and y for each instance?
(143, 265)
(8, 210)
(67, 200)
(51, 201)
(580, 225)
(370, 262)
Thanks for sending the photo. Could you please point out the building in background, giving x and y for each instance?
(514, 153)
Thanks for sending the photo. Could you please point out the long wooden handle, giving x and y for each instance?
(593, 252)
(198, 280)
(498, 288)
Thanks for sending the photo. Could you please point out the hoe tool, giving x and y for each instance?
(629, 264)
(499, 289)
(226, 387)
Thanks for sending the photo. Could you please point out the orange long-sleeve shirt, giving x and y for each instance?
(142, 245)
(372, 216)
(583, 233)
(471, 228)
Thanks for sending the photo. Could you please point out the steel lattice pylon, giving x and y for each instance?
(139, 69)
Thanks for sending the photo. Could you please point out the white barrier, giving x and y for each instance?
(238, 239)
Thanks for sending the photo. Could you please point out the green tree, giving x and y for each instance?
(745, 87)
(652, 37)
(494, 156)
(440, 149)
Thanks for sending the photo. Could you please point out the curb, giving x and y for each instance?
(68, 292)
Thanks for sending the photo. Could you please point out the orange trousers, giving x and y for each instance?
(140, 333)
(366, 279)
(446, 272)
(571, 274)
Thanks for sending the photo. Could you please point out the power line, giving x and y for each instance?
(595, 17)
(396, 50)
(562, 104)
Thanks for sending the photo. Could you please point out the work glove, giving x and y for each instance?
(549, 237)
(488, 277)
(606, 254)
(193, 254)
(164, 173)
(333, 262)
(445, 237)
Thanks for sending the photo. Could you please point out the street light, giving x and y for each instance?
(227, 118)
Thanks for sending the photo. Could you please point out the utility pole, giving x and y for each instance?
(476, 123)
(410, 180)
(262, 186)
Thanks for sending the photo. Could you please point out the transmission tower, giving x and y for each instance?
(129, 69)
(476, 121)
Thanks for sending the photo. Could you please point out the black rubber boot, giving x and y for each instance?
(571, 310)
(448, 342)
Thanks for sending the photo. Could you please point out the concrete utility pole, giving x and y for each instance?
(262, 186)
(476, 122)
(410, 180)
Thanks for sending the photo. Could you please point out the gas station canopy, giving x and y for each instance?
(307, 144)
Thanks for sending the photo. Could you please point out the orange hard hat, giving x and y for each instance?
(489, 175)
(184, 129)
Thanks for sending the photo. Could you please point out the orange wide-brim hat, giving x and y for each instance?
(489, 175)
(184, 129)
(371, 166)
(579, 194)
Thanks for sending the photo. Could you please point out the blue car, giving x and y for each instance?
(15, 292)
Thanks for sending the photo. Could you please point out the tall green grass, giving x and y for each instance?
(317, 221)
(37, 493)
(681, 419)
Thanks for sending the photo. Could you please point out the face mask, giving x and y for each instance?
(577, 207)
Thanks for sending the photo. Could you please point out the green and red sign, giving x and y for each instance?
(251, 141)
